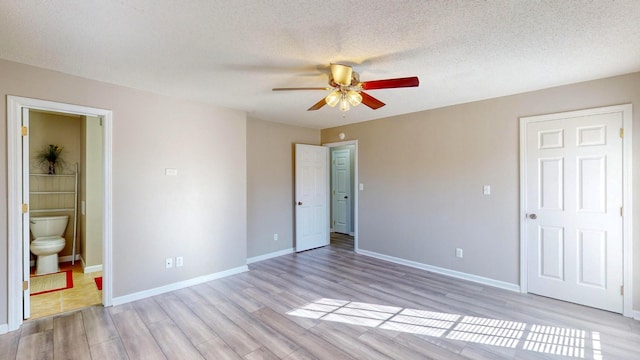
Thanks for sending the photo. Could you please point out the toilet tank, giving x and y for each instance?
(48, 225)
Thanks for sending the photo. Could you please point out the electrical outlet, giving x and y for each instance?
(168, 263)
(458, 252)
(179, 261)
(275, 237)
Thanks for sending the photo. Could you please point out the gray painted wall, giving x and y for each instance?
(199, 214)
(423, 175)
(270, 179)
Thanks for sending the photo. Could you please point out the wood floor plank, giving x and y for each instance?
(98, 325)
(347, 340)
(189, 323)
(173, 342)
(9, 344)
(149, 311)
(315, 345)
(238, 340)
(38, 346)
(261, 354)
(108, 350)
(270, 339)
(216, 349)
(69, 337)
(136, 337)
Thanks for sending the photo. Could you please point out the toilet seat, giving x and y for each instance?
(48, 241)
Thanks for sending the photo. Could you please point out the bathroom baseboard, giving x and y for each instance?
(4, 328)
(66, 258)
(177, 286)
(90, 269)
(269, 255)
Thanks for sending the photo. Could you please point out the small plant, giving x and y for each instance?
(50, 158)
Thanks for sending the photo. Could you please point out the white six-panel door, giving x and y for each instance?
(341, 195)
(312, 196)
(573, 201)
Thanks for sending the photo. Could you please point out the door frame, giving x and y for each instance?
(354, 191)
(627, 196)
(15, 105)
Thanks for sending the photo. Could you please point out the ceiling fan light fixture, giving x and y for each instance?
(354, 97)
(333, 98)
(341, 74)
(344, 103)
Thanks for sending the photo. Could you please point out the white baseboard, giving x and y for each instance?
(443, 271)
(269, 256)
(66, 258)
(177, 286)
(4, 328)
(635, 314)
(93, 268)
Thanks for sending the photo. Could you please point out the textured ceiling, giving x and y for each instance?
(231, 53)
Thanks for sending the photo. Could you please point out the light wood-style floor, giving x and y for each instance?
(331, 303)
(84, 293)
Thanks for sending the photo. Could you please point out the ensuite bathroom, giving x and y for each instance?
(65, 184)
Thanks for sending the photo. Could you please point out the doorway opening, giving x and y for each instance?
(343, 190)
(92, 154)
(72, 191)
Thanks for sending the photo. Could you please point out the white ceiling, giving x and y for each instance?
(231, 53)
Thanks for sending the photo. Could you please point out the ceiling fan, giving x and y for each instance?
(347, 90)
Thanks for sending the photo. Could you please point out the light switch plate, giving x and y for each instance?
(486, 190)
(171, 172)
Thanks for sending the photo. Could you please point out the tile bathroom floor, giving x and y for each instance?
(84, 293)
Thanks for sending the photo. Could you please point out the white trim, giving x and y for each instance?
(272, 255)
(67, 258)
(627, 169)
(61, 259)
(4, 328)
(627, 211)
(442, 271)
(91, 269)
(15, 105)
(356, 194)
(177, 286)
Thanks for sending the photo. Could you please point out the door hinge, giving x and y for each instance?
(622, 132)
(24, 131)
(621, 210)
(622, 290)
(25, 285)
(25, 208)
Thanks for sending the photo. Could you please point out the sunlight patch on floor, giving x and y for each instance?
(510, 334)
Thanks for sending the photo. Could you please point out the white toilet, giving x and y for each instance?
(47, 241)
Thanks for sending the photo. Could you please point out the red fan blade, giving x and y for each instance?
(302, 88)
(370, 101)
(391, 83)
(318, 105)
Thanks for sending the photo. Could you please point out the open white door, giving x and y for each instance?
(312, 196)
(341, 193)
(25, 216)
(574, 208)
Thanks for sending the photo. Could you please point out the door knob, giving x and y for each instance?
(299, 202)
(346, 197)
(533, 216)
